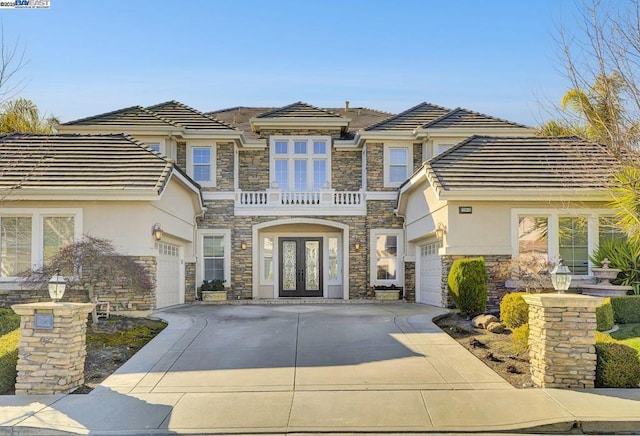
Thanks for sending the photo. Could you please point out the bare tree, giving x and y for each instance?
(12, 60)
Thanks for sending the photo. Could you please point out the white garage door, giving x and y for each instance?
(169, 283)
(430, 275)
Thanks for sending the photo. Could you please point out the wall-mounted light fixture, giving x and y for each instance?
(243, 245)
(441, 230)
(156, 231)
(357, 245)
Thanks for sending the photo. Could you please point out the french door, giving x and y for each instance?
(300, 267)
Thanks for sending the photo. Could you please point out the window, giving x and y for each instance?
(397, 165)
(215, 252)
(267, 253)
(386, 255)
(57, 232)
(301, 164)
(441, 148)
(573, 243)
(332, 244)
(608, 229)
(213, 248)
(201, 163)
(154, 147)
(533, 241)
(15, 240)
(30, 237)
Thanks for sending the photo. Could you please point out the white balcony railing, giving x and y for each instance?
(275, 198)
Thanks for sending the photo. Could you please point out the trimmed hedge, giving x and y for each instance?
(626, 309)
(514, 311)
(8, 360)
(618, 366)
(604, 316)
(520, 338)
(9, 321)
(467, 284)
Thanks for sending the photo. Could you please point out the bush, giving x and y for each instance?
(8, 360)
(618, 366)
(514, 311)
(467, 283)
(624, 254)
(520, 338)
(9, 321)
(626, 309)
(604, 316)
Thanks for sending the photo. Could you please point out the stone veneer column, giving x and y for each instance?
(51, 355)
(562, 340)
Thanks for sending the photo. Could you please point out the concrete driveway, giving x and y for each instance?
(338, 368)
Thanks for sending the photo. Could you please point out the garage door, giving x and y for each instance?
(169, 284)
(430, 275)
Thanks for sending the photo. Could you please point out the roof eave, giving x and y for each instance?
(120, 128)
(371, 135)
(537, 194)
(419, 178)
(421, 133)
(72, 194)
(296, 122)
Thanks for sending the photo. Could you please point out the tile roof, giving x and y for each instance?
(483, 162)
(411, 118)
(129, 116)
(299, 109)
(188, 117)
(464, 118)
(240, 116)
(80, 162)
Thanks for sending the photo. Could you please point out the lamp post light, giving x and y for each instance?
(561, 277)
(57, 286)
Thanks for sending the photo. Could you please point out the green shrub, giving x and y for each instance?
(9, 321)
(604, 316)
(618, 366)
(8, 360)
(604, 337)
(514, 311)
(624, 254)
(626, 309)
(467, 283)
(520, 338)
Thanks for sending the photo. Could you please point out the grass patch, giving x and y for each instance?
(628, 334)
(117, 331)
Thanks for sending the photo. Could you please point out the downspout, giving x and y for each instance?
(195, 249)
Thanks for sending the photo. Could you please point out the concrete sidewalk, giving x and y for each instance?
(312, 368)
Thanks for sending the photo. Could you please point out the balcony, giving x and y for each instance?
(278, 202)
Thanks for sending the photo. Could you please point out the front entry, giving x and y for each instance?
(300, 267)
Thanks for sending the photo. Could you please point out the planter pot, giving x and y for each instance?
(214, 295)
(387, 294)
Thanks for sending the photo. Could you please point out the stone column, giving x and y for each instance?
(52, 347)
(562, 340)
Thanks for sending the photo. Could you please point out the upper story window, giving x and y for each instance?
(154, 147)
(398, 161)
(301, 164)
(201, 164)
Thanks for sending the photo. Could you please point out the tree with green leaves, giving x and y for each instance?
(22, 116)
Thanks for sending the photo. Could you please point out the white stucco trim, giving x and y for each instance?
(256, 228)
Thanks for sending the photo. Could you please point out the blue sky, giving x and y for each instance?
(496, 57)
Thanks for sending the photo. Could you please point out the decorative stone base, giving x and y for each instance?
(387, 295)
(562, 340)
(214, 295)
(52, 347)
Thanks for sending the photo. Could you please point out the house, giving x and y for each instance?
(302, 201)
(56, 188)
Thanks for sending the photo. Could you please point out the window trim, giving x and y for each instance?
(226, 243)
(553, 216)
(373, 266)
(213, 165)
(291, 157)
(37, 216)
(387, 163)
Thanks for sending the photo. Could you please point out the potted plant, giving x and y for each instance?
(213, 290)
(384, 292)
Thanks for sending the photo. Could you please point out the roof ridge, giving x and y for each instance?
(441, 117)
(160, 117)
(300, 102)
(196, 111)
(102, 115)
(386, 120)
(490, 116)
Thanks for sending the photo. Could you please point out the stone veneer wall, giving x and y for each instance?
(410, 281)
(346, 170)
(254, 170)
(417, 157)
(120, 295)
(224, 167)
(190, 282)
(181, 155)
(497, 288)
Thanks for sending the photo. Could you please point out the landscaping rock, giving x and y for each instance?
(495, 327)
(482, 321)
